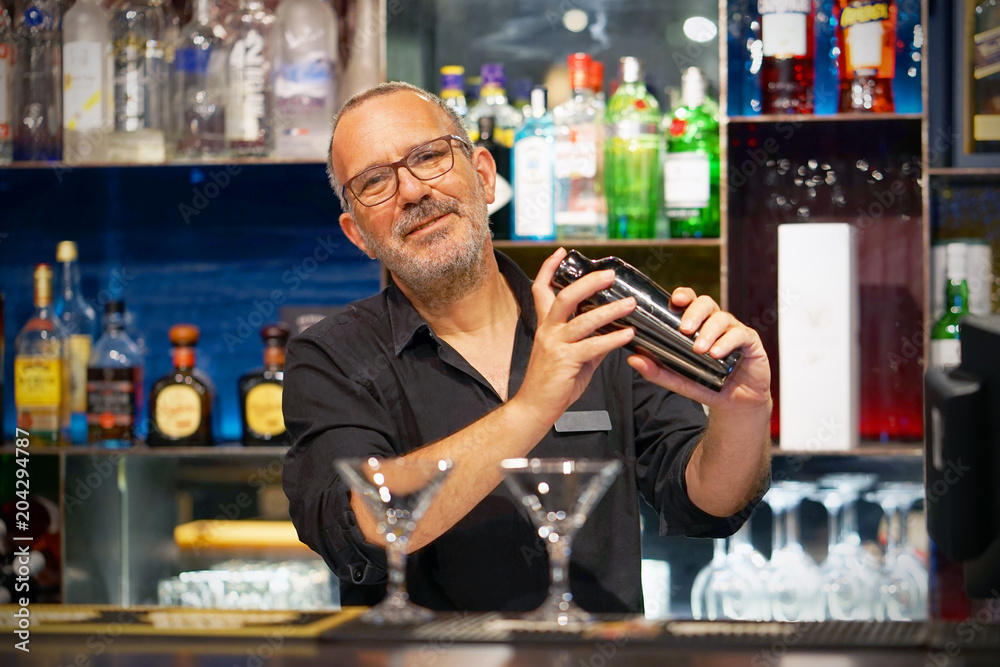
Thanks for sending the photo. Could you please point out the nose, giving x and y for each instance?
(411, 189)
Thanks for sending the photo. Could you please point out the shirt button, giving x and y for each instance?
(357, 574)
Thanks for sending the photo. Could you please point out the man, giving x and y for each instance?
(464, 358)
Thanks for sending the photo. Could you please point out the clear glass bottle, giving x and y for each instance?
(40, 370)
(37, 94)
(260, 392)
(946, 348)
(580, 209)
(533, 173)
(86, 52)
(786, 71)
(493, 102)
(250, 103)
(6, 86)
(199, 81)
(180, 402)
(597, 83)
(691, 162)
(453, 88)
(305, 84)
(866, 38)
(632, 156)
(79, 325)
(114, 383)
(141, 81)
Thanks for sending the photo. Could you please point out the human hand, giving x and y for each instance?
(719, 334)
(565, 354)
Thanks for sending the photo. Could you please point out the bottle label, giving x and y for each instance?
(946, 353)
(533, 188)
(137, 74)
(111, 401)
(862, 24)
(245, 111)
(987, 53)
(192, 61)
(686, 182)
(784, 27)
(79, 354)
(303, 86)
(5, 84)
(576, 152)
(263, 409)
(177, 411)
(37, 382)
(83, 74)
(633, 129)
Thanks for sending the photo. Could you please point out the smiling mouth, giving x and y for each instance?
(421, 227)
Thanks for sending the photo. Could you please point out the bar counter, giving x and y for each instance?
(161, 637)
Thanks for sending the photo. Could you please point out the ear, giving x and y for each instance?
(486, 169)
(350, 227)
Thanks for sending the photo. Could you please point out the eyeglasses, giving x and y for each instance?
(379, 184)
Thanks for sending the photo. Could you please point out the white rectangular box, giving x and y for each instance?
(818, 336)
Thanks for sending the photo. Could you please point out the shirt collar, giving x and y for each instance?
(408, 327)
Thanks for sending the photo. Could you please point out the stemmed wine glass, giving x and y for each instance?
(793, 585)
(560, 494)
(730, 586)
(397, 492)
(849, 575)
(903, 587)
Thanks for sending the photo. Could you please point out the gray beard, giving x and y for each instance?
(452, 274)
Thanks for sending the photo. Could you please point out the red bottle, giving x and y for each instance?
(787, 72)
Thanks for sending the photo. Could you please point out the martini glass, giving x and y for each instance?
(560, 494)
(397, 492)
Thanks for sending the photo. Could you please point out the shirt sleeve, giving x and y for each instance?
(668, 429)
(331, 412)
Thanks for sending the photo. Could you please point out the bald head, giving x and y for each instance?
(418, 96)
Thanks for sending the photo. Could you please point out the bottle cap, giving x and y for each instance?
(578, 65)
(596, 76)
(184, 334)
(630, 69)
(452, 79)
(493, 75)
(66, 251)
(275, 334)
(692, 88)
(539, 101)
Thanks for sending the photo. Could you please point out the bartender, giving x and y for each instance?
(464, 357)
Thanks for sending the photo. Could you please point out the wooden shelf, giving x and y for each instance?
(607, 243)
(866, 450)
(826, 118)
(214, 162)
(985, 172)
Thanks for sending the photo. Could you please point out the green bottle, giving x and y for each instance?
(691, 163)
(946, 350)
(632, 156)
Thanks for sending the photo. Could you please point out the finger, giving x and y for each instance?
(597, 347)
(682, 296)
(713, 329)
(541, 289)
(568, 300)
(664, 377)
(697, 313)
(735, 338)
(587, 323)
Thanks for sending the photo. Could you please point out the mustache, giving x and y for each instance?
(426, 209)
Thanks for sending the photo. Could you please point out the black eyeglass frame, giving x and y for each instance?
(394, 167)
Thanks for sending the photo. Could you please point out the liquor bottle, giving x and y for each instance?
(691, 163)
(866, 37)
(532, 170)
(499, 210)
(260, 392)
(40, 375)
(79, 324)
(632, 155)
(597, 82)
(86, 52)
(656, 320)
(946, 348)
(580, 210)
(180, 403)
(493, 102)
(114, 383)
(141, 81)
(250, 103)
(6, 84)
(305, 86)
(986, 73)
(786, 72)
(453, 89)
(199, 81)
(37, 82)
(521, 98)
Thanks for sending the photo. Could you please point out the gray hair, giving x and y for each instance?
(380, 90)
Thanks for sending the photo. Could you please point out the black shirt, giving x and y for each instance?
(374, 380)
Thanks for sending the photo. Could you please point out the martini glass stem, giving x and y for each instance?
(396, 594)
(559, 553)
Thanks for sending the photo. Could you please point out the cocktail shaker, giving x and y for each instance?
(655, 320)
